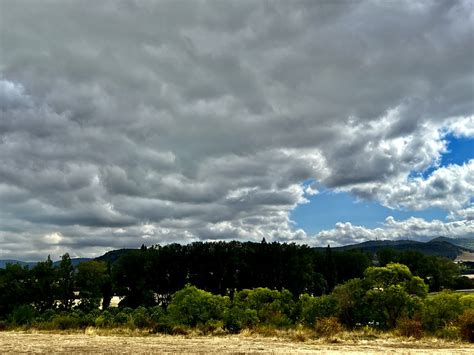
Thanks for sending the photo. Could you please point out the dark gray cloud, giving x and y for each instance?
(131, 121)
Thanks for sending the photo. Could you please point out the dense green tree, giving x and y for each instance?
(90, 279)
(15, 288)
(65, 275)
(383, 296)
(44, 287)
(130, 274)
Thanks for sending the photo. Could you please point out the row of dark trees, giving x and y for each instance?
(149, 276)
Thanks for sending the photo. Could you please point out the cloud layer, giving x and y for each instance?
(130, 122)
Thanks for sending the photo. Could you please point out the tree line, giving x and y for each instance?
(386, 298)
(150, 276)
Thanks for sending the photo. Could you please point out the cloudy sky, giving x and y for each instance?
(130, 122)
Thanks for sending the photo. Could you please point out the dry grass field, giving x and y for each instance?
(117, 343)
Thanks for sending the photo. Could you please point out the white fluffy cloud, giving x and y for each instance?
(412, 228)
(182, 121)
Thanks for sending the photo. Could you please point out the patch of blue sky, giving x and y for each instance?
(459, 151)
(327, 208)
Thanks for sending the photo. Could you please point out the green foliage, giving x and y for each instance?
(65, 321)
(65, 276)
(437, 272)
(44, 285)
(90, 279)
(272, 306)
(192, 306)
(15, 288)
(106, 319)
(441, 310)
(448, 332)
(141, 318)
(237, 318)
(313, 308)
(350, 302)
(121, 318)
(382, 297)
(22, 315)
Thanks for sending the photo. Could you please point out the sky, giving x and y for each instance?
(320, 122)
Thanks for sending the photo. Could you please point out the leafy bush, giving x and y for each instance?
(313, 308)
(273, 307)
(106, 319)
(449, 332)
(157, 314)
(140, 317)
(192, 306)
(466, 325)
(22, 315)
(328, 327)
(410, 328)
(65, 321)
(441, 309)
(121, 318)
(47, 315)
(236, 319)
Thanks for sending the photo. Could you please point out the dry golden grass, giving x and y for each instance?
(122, 341)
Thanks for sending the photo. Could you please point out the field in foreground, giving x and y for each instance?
(90, 342)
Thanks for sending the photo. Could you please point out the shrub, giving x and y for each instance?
(441, 309)
(328, 327)
(140, 317)
(22, 315)
(104, 320)
(156, 315)
(449, 332)
(272, 306)
(466, 325)
(121, 318)
(64, 321)
(163, 325)
(410, 328)
(467, 301)
(47, 315)
(192, 306)
(313, 308)
(236, 319)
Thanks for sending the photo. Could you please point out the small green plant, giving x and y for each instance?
(22, 315)
(65, 321)
(449, 332)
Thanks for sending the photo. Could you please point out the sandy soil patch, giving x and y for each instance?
(34, 342)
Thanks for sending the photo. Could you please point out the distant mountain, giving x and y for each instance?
(461, 242)
(113, 255)
(30, 264)
(439, 246)
(4, 263)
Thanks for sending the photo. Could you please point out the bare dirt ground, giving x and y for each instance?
(40, 342)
